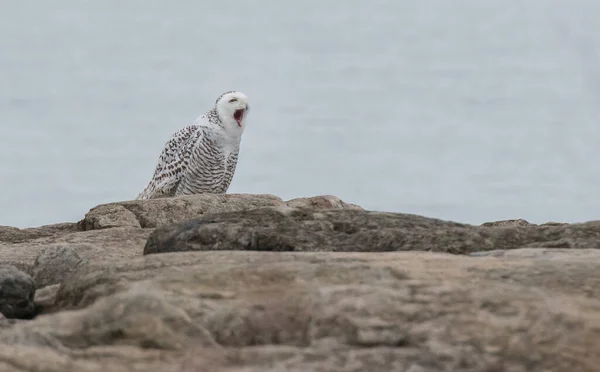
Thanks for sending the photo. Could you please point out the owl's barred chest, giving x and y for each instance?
(228, 161)
(211, 170)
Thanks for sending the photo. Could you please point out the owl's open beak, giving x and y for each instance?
(238, 115)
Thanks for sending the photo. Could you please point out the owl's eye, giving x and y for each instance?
(233, 100)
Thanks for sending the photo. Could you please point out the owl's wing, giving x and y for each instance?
(171, 164)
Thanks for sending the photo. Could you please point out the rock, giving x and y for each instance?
(162, 211)
(141, 318)
(25, 267)
(17, 291)
(291, 229)
(19, 358)
(45, 298)
(106, 244)
(264, 311)
(6, 323)
(55, 262)
(543, 253)
(321, 202)
(117, 230)
(516, 297)
(14, 235)
(518, 222)
(109, 215)
(157, 212)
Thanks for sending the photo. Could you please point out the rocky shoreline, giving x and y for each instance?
(253, 283)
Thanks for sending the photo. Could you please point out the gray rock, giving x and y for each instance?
(17, 291)
(55, 263)
(291, 229)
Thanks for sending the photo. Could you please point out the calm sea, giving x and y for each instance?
(466, 110)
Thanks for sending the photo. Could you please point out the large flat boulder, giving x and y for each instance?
(343, 230)
(267, 311)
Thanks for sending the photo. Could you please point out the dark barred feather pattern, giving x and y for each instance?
(194, 161)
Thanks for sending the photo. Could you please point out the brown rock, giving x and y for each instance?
(45, 298)
(6, 323)
(109, 215)
(262, 311)
(114, 231)
(15, 235)
(321, 202)
(517, 222)
(19, 358)
(501, 308)
(136, 317)
(291, 229)
(110, 244)
(161, 211)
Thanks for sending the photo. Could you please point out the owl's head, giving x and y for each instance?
(232, 108)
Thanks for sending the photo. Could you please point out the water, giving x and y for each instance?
(464, 110)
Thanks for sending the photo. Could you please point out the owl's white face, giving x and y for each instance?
(233, 109)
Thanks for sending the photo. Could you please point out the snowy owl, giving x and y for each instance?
(201, 158)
